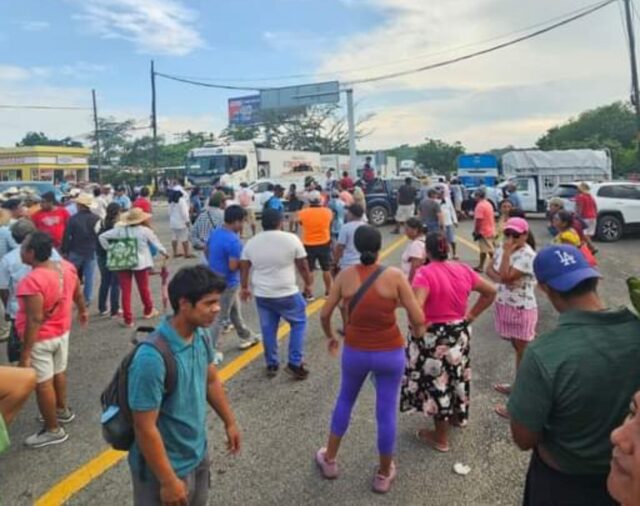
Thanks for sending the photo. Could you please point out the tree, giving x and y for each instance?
(438, 155)
(40, 139)
(609, 127)
(113, 136)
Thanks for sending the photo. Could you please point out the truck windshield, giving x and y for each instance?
(215, 165)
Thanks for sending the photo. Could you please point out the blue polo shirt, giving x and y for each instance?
(183, 415)
(223, 245)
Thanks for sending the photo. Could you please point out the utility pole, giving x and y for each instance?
(154, 120)
(97, 134)
(352, 133)
(635, 97)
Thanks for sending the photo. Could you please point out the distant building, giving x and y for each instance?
(44, 163)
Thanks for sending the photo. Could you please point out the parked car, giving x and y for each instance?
(618, 206)
(41, 187)
(382, 199)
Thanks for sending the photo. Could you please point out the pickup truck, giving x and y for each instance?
(382, 199)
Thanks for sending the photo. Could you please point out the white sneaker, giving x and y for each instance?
(218, 357)
(245, 344)
(46, 438)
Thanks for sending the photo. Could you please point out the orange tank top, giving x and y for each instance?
(372, 325)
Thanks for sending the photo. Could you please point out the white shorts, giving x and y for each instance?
(404, 213)
(590, 231)
(180, 234)
(50, 357)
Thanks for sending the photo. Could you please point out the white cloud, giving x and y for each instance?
(509, 97)
(154, 26)
(82, 68)
(14, 73)
(34, 26)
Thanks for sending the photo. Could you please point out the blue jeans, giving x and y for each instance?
(86, 267)
(292, 310)
(109, 286)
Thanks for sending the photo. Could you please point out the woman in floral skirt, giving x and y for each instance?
(438, 369)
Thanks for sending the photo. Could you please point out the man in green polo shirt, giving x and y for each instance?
(169, 458)
(573, 385)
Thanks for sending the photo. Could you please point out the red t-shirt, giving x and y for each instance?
(57, 299)
(587, 206)
(346, 183)
(142, 203)
(53, 223)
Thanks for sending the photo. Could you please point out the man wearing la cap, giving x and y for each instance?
(573, 385)
(80, 242)
(316, 237)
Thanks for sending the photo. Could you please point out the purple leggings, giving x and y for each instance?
(387, 368)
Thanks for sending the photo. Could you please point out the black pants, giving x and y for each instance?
(547, 487)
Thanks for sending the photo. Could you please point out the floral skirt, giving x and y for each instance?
(437, 378)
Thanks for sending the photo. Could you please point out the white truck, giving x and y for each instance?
(243, 162)
(537, 173)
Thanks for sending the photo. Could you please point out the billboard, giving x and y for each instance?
(244, 111)
(306, 95)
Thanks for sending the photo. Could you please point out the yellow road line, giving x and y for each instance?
(84, 475)
(468, 244)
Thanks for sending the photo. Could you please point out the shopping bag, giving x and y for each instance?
(122, 254)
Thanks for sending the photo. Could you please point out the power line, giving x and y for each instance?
(45, 107)
(484, 51)
(386, 64)
(210, 85)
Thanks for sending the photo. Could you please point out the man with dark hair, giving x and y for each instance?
(122, 199)
(484, 223)
(43, 321)
(573, 385)
(142, 201)
(51, 218)
(431, 211)
(368, 172)
(406, 203)
(269, 261)
(346, 183)
(81, 241)
(169, 459)
(224, 250)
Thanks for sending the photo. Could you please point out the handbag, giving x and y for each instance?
(122, 254)
(14, 345)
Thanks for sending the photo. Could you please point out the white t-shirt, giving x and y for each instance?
(449, 216)
(522, 293)
(415, 249)
(245, 197)
(272, 255)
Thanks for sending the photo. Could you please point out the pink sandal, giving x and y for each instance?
(329, 469)
(382, 483)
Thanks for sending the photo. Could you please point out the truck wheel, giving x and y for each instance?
(378, 216)
(609, 228)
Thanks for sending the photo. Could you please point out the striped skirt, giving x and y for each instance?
(516, 323)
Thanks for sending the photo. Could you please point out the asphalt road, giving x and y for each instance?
(285, 422)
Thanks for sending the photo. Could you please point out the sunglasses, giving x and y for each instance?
(511, 233)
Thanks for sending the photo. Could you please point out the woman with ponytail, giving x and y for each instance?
(373, 345)
(437, 378)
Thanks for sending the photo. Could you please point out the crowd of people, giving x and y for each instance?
(567, 403)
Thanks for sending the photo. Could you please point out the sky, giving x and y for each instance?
(53, 52)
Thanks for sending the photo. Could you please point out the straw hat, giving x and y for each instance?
(11, 191)
(85, 199)
(134, 217)
(74, 192)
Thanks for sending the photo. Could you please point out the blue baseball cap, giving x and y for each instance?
(562, 267)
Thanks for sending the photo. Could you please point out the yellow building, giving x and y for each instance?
(44, 163)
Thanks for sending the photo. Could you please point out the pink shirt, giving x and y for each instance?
(449, 285)
(57, 299)
(485, 219)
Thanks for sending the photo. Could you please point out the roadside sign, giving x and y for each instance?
(300, 96)
(244, 111)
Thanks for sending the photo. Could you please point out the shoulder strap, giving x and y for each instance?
(364, 287)
(157, 340)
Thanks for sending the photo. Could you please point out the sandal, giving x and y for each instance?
(428, 440)
(502, 388)
(479, 270)
(501, 410)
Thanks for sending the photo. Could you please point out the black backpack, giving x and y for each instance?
(116, 419)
